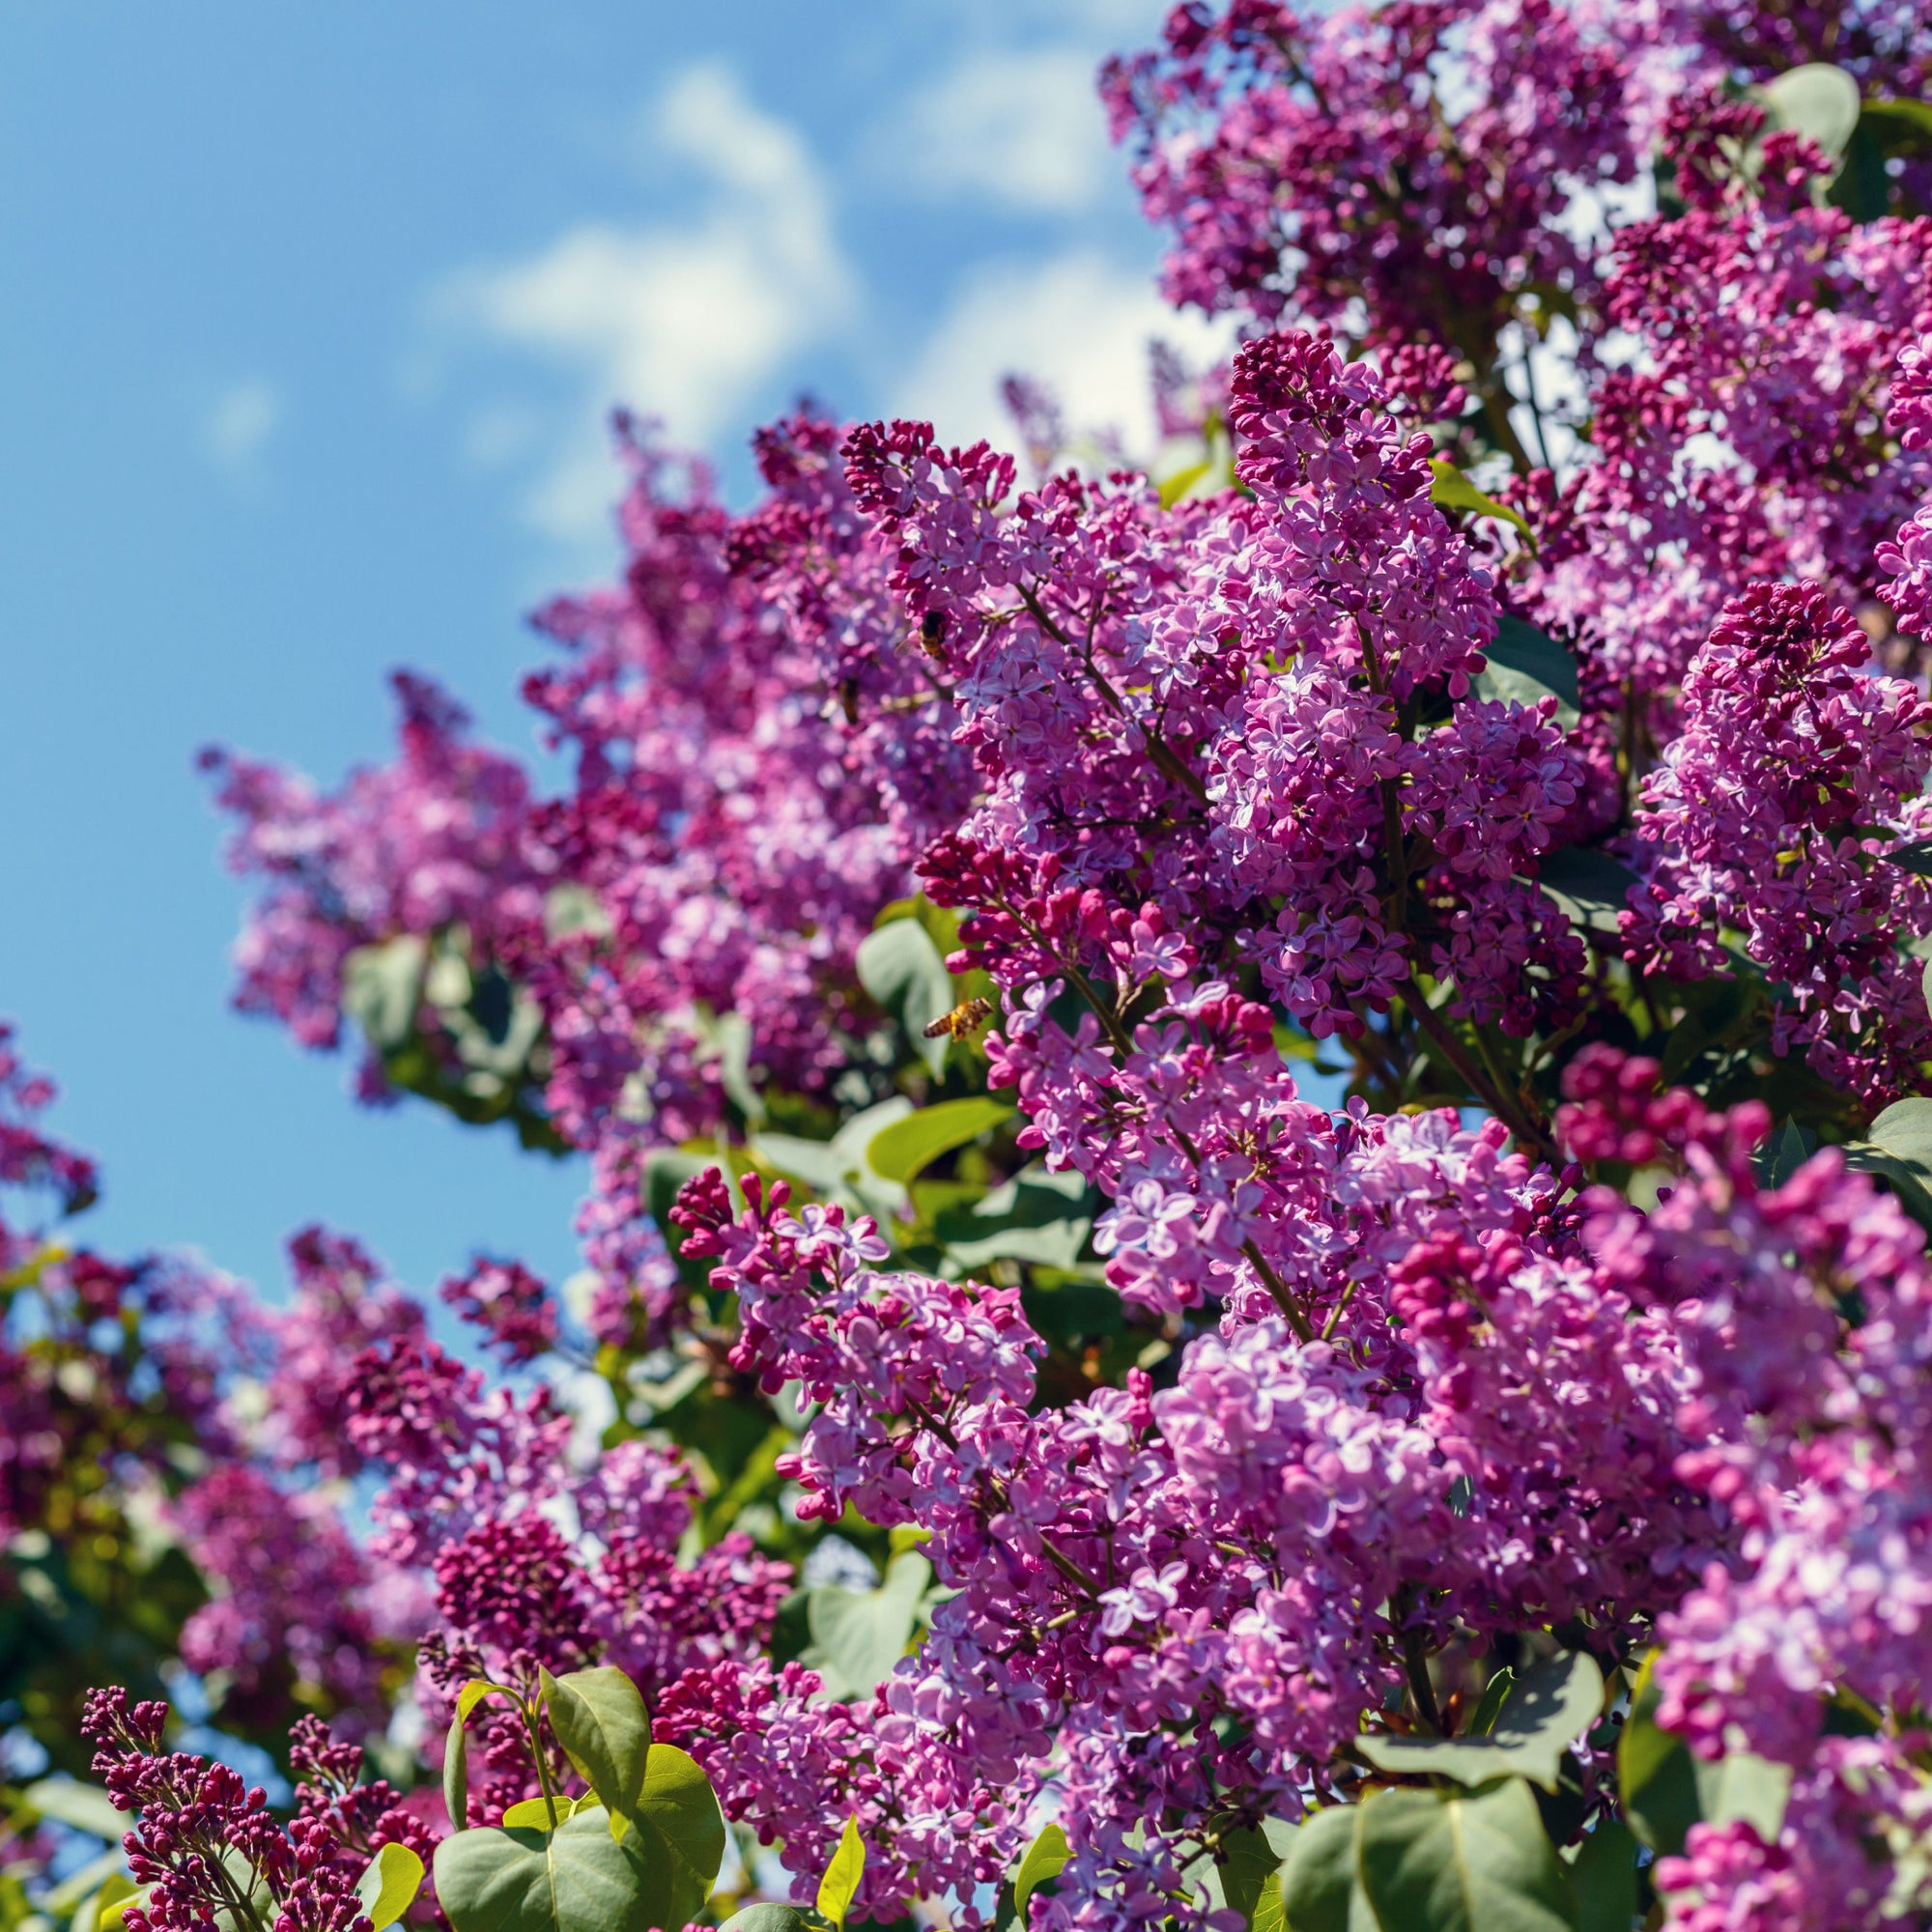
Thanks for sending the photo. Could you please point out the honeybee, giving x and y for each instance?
(962, 1020)
(933, 633)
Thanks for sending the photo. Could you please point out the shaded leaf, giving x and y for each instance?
(1524, 664)
(1462, 1862)
(456, 1776)
(1318, 1885)
(1604, 1877)
(1590, 887)
(1547, 1709)
(840, 1886)
(773, 1919)
(1045, 1859)
(1914, 857)
(1655, 1780)
(389, 1884)
(1900, 1151)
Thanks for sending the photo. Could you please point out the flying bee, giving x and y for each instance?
(962, 1020)
(932, 634)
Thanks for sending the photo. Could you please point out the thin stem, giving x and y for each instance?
(1499, 1105)
(1415, 1666)
(531, 1724)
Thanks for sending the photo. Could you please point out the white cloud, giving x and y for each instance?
(1025, 127)
(237, 429)
(1079, 321)
(683, 321)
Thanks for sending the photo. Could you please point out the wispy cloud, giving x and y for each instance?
(1023, 125)
(1078, 322)
(237, 427)
(685, 321)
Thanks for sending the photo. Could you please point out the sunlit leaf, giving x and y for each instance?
(840, 1886)
(1045, 1859)
(389, 1884)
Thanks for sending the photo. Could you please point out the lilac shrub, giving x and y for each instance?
(1259, 1138)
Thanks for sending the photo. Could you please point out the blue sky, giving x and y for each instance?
(312, 318)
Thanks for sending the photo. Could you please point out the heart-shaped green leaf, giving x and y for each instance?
(576, 1879)
(1547, 1709)
(1474, 1862)
(1318, 1888)
(840, 1886)
(389, 1884)
(599, 1719)
(858, 1635)
(678, 1804)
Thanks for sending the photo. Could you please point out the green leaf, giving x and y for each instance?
(1589, 887)
(1547, 1708)
(840, 1886)
(903, 970)
(389, 1884)
(1604, 1877)
(1781, 1156)
(1741, 1787)
(858, 1635)
(575, 1879)
(1524, 665)
(678, 1805)
(839, 1166)
(599, 1719)
(83, 1807)
(1045, 1859)
(1455, 1862)
(1901, 126)
(1173, 488)
(1817, 101)
(1034, 1217)
(475, 1691)
(1489, 1706)
(118, 1891)
(1656, 1778)
(1453, 491)
(1912, 857)
(74, 1892)
(110, 1908)
(1268, 1915)
(381, 988)
(1900, 1149)
(910, 1146)
(1249, 1864)
(774, 1918)
(456, 1774)
(1320, 1888)
(537, 1814)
